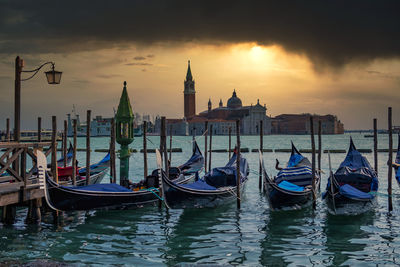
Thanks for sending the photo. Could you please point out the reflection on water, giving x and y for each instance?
(343, 233)
(253, 236)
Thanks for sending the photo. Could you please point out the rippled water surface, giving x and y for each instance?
(250, 236)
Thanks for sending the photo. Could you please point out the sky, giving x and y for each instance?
(322, 57)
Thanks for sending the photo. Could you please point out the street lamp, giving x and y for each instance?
(53, 77)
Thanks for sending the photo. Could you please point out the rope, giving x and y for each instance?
(153, 190)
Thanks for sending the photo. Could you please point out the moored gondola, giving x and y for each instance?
(216, 187)
(352, 189)
(97, 172)
(292, 187)
(108, 196)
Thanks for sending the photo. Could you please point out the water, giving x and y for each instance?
(252, 236)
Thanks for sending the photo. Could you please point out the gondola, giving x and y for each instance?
(97, 172)
(396, 164)
(352, 189)
(108, 196)
(216, 187)
(292, 187)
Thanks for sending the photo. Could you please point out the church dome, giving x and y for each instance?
(234, 101)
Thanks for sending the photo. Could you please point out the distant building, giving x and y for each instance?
(300, 124)
(221, 118)
(99, 126)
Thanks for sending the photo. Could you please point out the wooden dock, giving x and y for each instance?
(18, 185)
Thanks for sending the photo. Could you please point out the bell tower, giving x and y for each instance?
(189, 95)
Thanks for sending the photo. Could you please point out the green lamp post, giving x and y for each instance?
(124, 134)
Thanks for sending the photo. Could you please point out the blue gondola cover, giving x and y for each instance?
(290, 186)
(352, 192)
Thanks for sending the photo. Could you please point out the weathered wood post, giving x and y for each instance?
(65, 143)
(163, 152)
(390, 159)
(54, 149)
(205, 145)
(170, 144)
(238, 178)
(261, 150)
(113, 170)
(210, 149)
(164, 144)
(39, 129)
(145, 149)
(313, 161)
(7, 130)
(375, 146)
(74, 154)
(319, 151)
(229, 141)
(88, 120)
(54, 159)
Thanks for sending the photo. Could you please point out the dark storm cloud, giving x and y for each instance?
(328, 32)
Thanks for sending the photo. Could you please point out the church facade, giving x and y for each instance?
(222, 118)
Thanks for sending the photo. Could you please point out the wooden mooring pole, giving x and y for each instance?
(163, 147)
(65, 143)
(205, 145)
(313, 161)
(319, 151)
(261, 150)
(390, 160)
(54, 159)
(145, 149)
(39, 129)
(7, 130)
(210, 149)
(238, 178)
(74, 153)
(113, 170)
(170, 145)
(88, 120)
(376, 146)
(229, 142)
(54, 148)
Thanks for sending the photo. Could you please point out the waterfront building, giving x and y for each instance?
(222, 118)
(300, 124)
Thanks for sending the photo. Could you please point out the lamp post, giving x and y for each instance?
(53, 77)
(124, 134)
